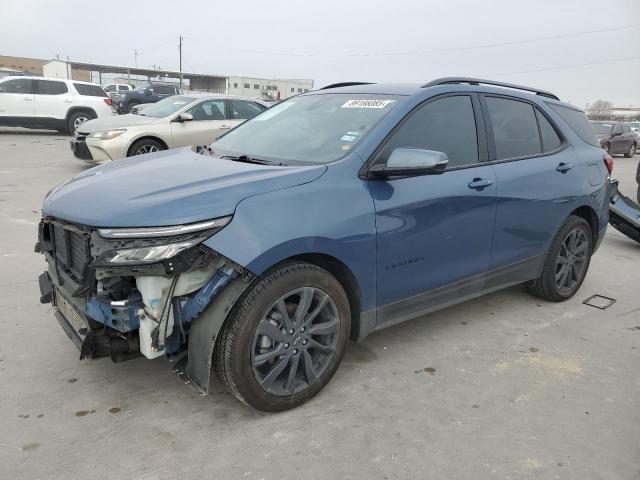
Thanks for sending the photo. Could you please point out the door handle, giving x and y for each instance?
(480, 183)
(27, 99)
(225, 127)
(564, 167)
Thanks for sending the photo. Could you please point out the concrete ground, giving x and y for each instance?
(506, 386)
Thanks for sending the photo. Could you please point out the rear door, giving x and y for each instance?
(52, 99)
(17, 101)
(434, 231)
(209, 122)
(617, 141)
(538, 178)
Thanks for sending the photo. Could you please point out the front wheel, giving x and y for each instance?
(631, 152)
(567, 261)
(145, 145)
(285, 338)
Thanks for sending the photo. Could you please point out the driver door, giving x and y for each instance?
(434, 231)
(210, 120)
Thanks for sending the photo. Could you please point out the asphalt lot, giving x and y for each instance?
(506, 386)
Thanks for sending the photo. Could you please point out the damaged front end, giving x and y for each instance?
(129, 292)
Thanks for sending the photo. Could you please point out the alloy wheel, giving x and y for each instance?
(632, 150)
(146, 149)
(295, 341)
(571, 261)
(79, 121)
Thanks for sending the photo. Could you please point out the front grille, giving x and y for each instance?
(72, 250)
(70, 313)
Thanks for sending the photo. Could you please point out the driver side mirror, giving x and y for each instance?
(184, 117)
(148, 91)
(411, 162)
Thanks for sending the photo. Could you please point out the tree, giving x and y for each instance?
(600, 110)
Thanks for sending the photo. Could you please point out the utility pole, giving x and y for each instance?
(180, 55)
(135, 57)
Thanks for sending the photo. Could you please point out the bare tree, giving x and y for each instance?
(600, 110)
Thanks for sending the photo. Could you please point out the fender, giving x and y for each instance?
(204, 332)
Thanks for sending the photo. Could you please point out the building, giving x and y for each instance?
(35, 66)
(276, 89)
(201, 82)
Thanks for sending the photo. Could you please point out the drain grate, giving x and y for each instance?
(599, 301)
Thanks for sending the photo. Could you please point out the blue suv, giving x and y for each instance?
(327, 217)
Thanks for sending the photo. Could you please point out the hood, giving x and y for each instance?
(115, 121)
(167, 188)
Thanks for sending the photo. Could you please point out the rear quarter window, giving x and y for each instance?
(89, 90)
(578, 122)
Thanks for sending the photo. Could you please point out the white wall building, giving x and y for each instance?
(275, 88)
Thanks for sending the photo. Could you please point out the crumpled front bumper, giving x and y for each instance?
(624, 214)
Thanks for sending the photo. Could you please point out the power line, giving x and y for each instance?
(444, 50)
(562, 67)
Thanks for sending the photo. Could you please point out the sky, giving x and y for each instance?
(582, 50)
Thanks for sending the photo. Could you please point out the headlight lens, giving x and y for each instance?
(108, 134)
(155, 244)
(148, 254)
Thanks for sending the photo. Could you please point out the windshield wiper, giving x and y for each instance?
(248, 159)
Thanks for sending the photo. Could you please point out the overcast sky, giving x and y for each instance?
(331, 40)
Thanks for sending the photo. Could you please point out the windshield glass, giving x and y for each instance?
(634, 125)
(602, 128)
(166, 107)
(310, 128)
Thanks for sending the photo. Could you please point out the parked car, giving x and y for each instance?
(635, 127)
(51, 103)
(326, 217)
(113, 89)
(176, 121)
(124, 101)
(616, 137)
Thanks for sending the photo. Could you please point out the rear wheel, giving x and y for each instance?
(145, 145)
(607, 147)
(566, 262)
(285, 339)
(631, 152)
(76, 119)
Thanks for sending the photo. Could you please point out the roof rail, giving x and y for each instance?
(479, 81)
(345, 84)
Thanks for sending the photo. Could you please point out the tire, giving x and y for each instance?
(607, 147)
(145, 145)
(255, 355)
(548, 285)
(638, 195)
(76, 119)
(131, 105)
(631, 152)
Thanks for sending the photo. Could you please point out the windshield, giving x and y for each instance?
(602, 128)
(166, 107)
(634, 125)
(310, 128)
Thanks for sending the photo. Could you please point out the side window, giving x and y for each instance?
(208, 110)
(515, 130)
(89, 90)
(626, 129)
(50, 87)
(550, 139)
(122, 87)
(578, 122)
(444, 125)
(245, 110)
(18, 85)
(110, 88)
(617, 129)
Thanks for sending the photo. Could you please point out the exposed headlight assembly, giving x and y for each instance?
(155, 244)
(108, 134)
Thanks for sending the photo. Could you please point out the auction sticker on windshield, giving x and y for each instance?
(366, 103)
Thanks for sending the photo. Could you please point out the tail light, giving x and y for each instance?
(108, 101)
(608, 162)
